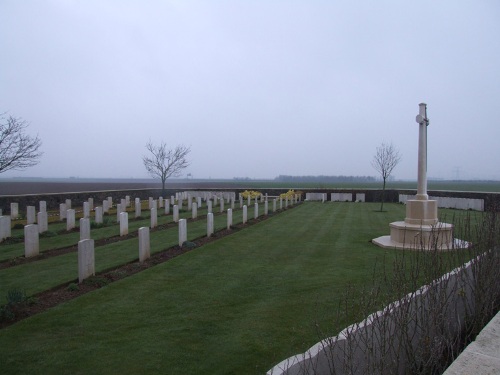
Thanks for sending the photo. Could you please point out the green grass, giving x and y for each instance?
(235, 306)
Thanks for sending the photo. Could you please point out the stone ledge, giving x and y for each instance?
(481, 357)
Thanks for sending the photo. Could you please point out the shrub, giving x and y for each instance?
(250, 193)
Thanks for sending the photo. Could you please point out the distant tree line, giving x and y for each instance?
(321, 178)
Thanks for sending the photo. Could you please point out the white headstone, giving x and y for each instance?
(266, 208)
(137, 208)
(144, 244)
(98, 215)
(43, 206)
(229, 218)
(210, 224)
(31, 241)
(62, 211)
(5, 228)
(105, 206)
(30, 215)
(154, 217)
(43, 222)
(70, 219)
(182, 231)
(84, 229)
(209, 207)
(68, 204)
(167, 206)
(176, 214)
(221, 204)
(274, 205)
(123, 223)
(245, 214)
(86, 209)
(256, 211)
(194, 209)
(91, 204)
(118, 212)
(86, 260)
(14, 210)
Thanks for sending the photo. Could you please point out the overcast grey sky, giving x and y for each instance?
(256, 88)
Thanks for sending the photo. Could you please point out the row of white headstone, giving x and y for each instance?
(86, 256)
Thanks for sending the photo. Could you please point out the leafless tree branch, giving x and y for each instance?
(163, 163)
(17, 150)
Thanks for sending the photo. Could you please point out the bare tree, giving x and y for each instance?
(384, 161)
(17, 149)
(164, 163)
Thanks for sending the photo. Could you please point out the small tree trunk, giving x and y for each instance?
(163, 187)
(383, 197)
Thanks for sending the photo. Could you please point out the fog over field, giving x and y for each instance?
(256, 88)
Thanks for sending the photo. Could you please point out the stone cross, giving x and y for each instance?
(423, 122)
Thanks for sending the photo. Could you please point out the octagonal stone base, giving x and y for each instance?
(413, 236)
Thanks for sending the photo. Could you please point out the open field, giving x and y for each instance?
(236, 305)
(42, 186)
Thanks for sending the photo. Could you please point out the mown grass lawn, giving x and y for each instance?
(235, 306)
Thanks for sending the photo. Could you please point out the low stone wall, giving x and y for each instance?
(380, 343)
(451, 202)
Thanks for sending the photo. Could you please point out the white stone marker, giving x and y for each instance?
(248, 200)
(154, 204)
(274, 205)
(43, 206)
(123, 223)
(70, 219)
(91, 204)
(30, 215)
(14, 210)
(266, 208)
(68, 204)
(182, 231)
(221, 204)
(105, 206)
(127, 200)
(86, 209)
(194, 209)
(98, 215)
(84, 229)
(229, 218)
(137, 208)
(176, 213)
(167, 206)
(62, 211)
(210, 224)
(245, 214)
(256, 211)
(118, 212)
(31, 241)
(110, 202)
(209, 207)
(154, 217)
(43, 222)
(179, 204)
(190, 203)
(281, 203)
(232, 203)
(144, 244)
(199, 201)
(86, 259)
(123, 205)
(5, 228)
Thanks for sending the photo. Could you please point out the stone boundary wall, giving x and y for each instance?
(450, 202)
(346, 353)
(491, 200)
(482, 356)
